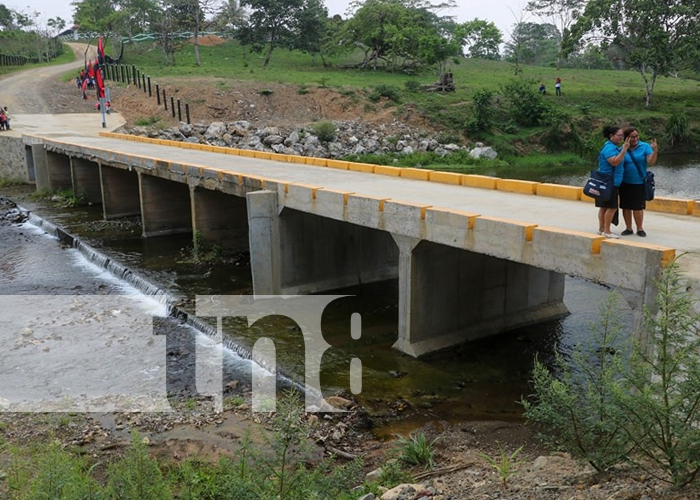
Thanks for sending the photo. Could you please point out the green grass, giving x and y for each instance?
(591, 98)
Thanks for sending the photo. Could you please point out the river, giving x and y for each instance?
(480, 380)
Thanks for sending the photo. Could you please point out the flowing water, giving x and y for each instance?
(481, 380)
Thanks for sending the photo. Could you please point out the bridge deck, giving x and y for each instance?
(680, 232)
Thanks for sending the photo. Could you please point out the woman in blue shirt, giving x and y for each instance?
(610, 161)
(632, 200)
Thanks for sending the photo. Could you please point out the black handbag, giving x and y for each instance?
(649, 182)
(599, 186)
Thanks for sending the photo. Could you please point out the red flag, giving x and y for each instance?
(100, 84)
(100, 51)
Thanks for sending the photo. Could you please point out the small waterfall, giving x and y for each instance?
(128, 276)
(100, 260)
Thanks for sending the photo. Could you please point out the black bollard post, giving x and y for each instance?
(133, 74)
(187, 112)
(165, 101)
(121, 71)
(138, 77)
(158, 94)
(172, 105)
(179, 110)
(149, 87)
(143, 77)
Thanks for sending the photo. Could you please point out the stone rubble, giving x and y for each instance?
(350, 138)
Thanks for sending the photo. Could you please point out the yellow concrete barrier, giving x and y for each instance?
(446, 177)
(386, 170)
(516, 186)
(696, 209)
(671, 206)
(361, 167)
(339, 164)
(319, 162)
(415, 173)
(296, 159)
(479, 181)
(559, 191)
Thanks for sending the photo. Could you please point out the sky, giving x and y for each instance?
(503, 13)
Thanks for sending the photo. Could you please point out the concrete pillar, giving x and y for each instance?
(165, 206)
(120, 192)
(40, 169)
(264, 236)
(29, 159)
(448, 296)
(322, 254)
(58, 168)
(220, 218)
(86, 179)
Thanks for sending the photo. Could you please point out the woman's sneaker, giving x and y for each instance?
(611, 236)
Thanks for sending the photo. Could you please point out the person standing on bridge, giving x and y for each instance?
(610, 161)
(632, 201)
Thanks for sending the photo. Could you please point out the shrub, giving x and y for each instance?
(483, 111)
(391, 92)
(677, 128)
(325, 131)
(524, 102)
(632, 401)
(575, 402)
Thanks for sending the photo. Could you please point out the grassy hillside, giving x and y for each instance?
(590, 98)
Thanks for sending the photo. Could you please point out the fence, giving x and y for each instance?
(130, 74)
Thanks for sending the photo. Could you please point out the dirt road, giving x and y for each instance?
(34, 91)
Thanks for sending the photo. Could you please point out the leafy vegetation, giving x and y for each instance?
(415, 449)
(619, 400)
(279, 468)
(506, 464)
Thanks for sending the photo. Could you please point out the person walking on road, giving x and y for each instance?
(610, 161)
(632, 201)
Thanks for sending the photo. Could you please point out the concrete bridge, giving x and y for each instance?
(473, 255)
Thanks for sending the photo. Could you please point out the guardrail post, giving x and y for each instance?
(158, 94)
(149, 88)
(133, 74)
(187, 112)
(165, 101)
(179, 110)
(143, 77)
(172, 106)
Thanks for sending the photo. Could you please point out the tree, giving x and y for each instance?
(533, 43)
(482, 38)
(560, 13)
(6, 18)
(656, 37)
(274, 23)
(313, 27)
(399, 33)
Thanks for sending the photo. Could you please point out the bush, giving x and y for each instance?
(677, 128)
(621, 400)
(575, 401)
(391, 92)
(325, 131)
(523, 102)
